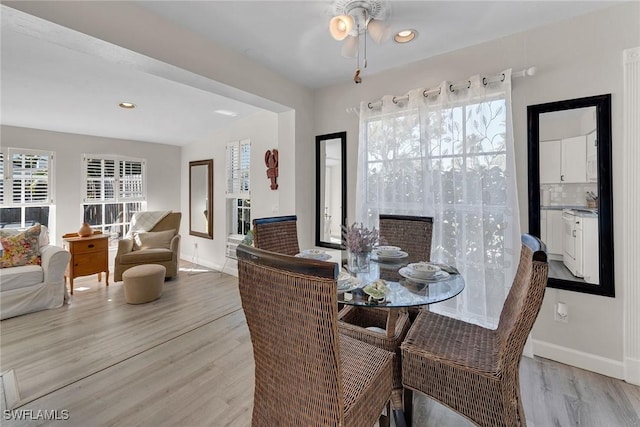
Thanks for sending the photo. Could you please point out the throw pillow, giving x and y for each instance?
(154, 239)
(21, 249)
(43, 240)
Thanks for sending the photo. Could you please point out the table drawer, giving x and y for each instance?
(90, 245)
(90, 263)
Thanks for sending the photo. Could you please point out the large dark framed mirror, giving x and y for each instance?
(570, 191)
(331, 189)
(201, 198)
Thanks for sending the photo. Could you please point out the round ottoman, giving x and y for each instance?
(143, 283)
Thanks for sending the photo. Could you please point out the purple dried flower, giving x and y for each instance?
(358, 238)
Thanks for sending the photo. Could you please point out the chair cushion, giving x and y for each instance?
(145, 256)
(20, 277)
(21, 249)
(367, 378)
(153, 239)
(434, 337)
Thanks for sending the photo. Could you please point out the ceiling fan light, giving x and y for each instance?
(378, 31)
(340, 26)
(350, 47)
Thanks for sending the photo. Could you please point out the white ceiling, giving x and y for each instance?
(58, 79)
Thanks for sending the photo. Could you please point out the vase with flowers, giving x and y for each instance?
(359, 241)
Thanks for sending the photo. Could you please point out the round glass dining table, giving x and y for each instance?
(402, 291)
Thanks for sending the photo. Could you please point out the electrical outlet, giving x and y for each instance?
(561, 312)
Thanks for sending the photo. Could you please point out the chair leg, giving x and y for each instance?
(385, 419)
(407, 402)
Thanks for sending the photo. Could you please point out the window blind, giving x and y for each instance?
(30, 177)
(109, 179)
(238, 167)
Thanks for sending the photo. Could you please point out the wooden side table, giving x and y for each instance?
(89, 255)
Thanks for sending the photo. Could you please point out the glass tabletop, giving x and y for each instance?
(402, 291)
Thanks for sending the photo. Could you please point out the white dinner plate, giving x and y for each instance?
(317, 256)
(407, 274)
(394, 258)
(347, 282)
(386, 248)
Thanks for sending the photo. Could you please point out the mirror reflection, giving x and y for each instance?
(200, 198)
(570, 191)
(330, 189)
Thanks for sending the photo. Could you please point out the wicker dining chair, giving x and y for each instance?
(413, 235)
(474, 370)
(306, 373)
(277, 234)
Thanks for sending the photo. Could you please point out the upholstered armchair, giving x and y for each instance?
(160, 245)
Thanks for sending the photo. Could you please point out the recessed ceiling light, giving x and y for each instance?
(127, 105)
(405, 36)
(226, 113)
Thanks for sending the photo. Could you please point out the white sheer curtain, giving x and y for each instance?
(449, 156)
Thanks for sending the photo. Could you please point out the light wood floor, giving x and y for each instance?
(185, 360)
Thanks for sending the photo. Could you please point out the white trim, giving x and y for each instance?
(631, 204)
(590, 362)
(632, 370)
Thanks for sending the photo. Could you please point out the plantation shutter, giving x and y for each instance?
(100, 175)
(131, 182)
(109, 179)
(238, 168)
(30, 177)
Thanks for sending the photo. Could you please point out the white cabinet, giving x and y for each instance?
(574, 160)
(592, 157)
(550, 165)
(551, 231)
(563, 161)
(590, 250)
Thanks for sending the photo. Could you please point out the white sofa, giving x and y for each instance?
(30, 288)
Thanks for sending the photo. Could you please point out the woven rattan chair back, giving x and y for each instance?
(523, 302)
(411, 233)
(306, 373)
(474, 370)
(277, 234)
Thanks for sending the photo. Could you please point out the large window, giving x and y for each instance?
(114, 189)
(449, 157)
(26, 190)
(238, 192)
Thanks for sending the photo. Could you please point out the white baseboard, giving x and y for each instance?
(230, 266)
(632, 370)
(590, 362)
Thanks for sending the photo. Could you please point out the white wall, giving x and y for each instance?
(263, 130)
(232, 74)
(576, 58)
(163, 169)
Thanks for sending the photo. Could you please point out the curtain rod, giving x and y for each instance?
(452, 87)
